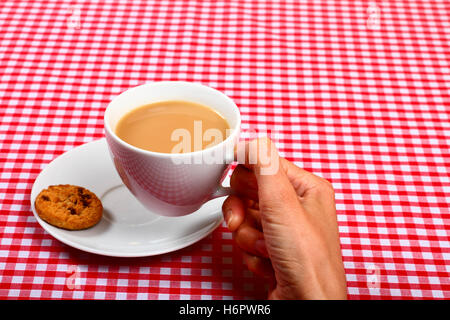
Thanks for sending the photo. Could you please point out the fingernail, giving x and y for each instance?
(229, 217)
(260, 246)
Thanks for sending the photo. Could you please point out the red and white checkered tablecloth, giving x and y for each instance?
(357, 91)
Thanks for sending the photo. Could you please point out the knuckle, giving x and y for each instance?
(252, 265)
(327, 186)
(252, 262)
(240, 235)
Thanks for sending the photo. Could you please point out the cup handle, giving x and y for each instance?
(221, 192)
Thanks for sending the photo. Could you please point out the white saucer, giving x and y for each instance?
(127, 229)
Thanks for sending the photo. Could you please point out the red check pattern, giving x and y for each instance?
(358, 92)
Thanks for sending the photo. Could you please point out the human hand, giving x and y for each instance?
(285, 223)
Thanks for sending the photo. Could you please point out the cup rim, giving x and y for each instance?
(172, 155)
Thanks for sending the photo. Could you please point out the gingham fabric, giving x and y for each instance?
(357, 92)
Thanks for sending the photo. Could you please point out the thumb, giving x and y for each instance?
(275, 192)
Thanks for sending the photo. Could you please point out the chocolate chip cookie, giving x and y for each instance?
(69, 207)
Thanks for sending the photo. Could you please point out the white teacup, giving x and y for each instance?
(165, 183)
